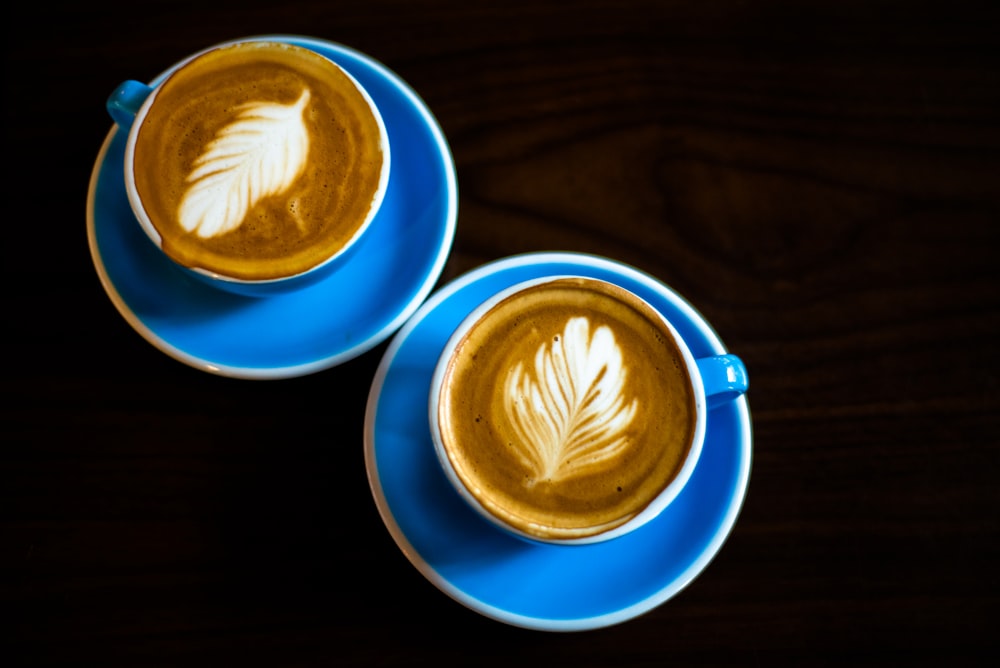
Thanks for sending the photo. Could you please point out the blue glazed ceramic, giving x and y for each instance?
(387, 277)
(532, 585)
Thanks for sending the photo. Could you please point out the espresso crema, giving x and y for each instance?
(258, 161)
(567, 409)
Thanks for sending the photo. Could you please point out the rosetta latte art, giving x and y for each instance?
(259, 154)
(572, 412)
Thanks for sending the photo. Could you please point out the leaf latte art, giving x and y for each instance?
(572, 412)
(259, 154)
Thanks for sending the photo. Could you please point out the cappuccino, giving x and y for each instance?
(257, 161)
(565, 409)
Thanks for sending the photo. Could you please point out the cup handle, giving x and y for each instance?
(126, 100)
(724, 377)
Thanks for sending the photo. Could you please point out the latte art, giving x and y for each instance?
(572, 413)
(259, 154)
(565, 409)
(257, 161)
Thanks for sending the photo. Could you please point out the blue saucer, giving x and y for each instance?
(345, 315)
(545, 587)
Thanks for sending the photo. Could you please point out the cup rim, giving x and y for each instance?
(659, 502)
(223, 280)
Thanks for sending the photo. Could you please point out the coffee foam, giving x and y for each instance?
(258, 161)
(259, 154)
(569, 413)
(575, 405)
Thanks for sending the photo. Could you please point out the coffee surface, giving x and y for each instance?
(258, 161)
(567, 409)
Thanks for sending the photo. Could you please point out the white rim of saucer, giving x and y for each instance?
(292, 371)
(621, 615)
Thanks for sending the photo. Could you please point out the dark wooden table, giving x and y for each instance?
(820, 179)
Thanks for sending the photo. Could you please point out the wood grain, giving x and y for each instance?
(819, 179)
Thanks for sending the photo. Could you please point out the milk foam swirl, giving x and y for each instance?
(259, 154)
(571, 413)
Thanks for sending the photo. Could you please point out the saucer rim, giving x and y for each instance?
(719, 535)
(449, 221)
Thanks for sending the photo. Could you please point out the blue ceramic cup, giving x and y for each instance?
(258, 159)
(565, 417)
